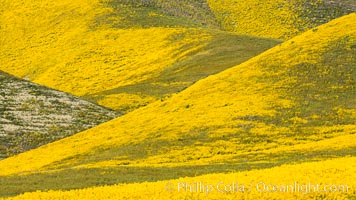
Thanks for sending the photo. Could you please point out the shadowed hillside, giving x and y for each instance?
(278, 19)
(33, 115)
(189, 12)
(291, 104)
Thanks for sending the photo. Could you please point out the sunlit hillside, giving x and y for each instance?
(121, 55)
(278, 18)
(293, 103)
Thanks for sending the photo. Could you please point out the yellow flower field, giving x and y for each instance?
(275, 19)
(73, 51)
(223, 110)
(202, 120)
(102, 59)
(126, 101)
(89, 47)
(331, 179)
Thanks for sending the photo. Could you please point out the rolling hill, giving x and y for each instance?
(32, 115)
(294, 103)
(120, 54)
(277, 19)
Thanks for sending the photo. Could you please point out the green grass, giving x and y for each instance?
(223, 51)
(140, 17)
(70, 178)
(278, 19)
(325, 89)
(320, 12)
(168, 13)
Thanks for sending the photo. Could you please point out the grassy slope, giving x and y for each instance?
(33, 115)
(115, 53)
(188, 10)
(265, 112)
(220, 185)
(279, 18)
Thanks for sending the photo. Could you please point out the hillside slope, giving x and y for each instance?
(293, 103)
(32, 115)
(278, 19)
(197, 11)
(114, 52)
(242, 185)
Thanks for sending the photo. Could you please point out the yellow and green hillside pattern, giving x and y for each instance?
(336, 182)
(59, 46)
(112, 52)
(190, 12)
(292, 104)
(277, 18)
